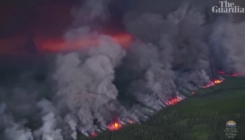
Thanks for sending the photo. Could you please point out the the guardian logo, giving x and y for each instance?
(227, 7)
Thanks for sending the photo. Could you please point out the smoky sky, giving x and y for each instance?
(69, 67)
(16, 15)
(21, 21)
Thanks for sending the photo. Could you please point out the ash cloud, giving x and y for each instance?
(176, 48)
(229, 50)
(86, 96)
(179, 46)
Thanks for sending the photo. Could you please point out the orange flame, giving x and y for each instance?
(114, 126)
(212, 83)
(218, 81)
(173, 101)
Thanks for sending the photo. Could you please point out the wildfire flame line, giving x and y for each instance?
(116, 125)
(213, 83)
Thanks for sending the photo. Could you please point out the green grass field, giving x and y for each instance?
(200, 117)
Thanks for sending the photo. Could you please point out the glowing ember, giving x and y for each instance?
(173, 101)
(217, 81)
(114, 126)
(93, 134)
(214, 82)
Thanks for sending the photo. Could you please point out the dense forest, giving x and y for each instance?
(202, 116)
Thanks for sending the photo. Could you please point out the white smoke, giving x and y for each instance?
(177, 47)
(85, 85)
(12, 130)
(48, 129)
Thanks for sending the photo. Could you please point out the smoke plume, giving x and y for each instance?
(92, 80)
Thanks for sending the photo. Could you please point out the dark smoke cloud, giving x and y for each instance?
(179, 46)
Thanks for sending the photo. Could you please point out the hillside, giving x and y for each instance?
(200, 117)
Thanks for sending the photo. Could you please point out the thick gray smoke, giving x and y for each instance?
(95, 90)
(178, 47)
(12, 130)
(174, 52)
(227, 44)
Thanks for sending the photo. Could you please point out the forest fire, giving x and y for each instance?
(218, 81)
(173, 101)
(114, 126)
(213, 83)
(106, 64)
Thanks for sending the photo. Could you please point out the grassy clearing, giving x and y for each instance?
(200, 117)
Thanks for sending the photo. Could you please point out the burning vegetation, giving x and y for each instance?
(132, 72)
(213, 83)
(114, 126)
(173, 101)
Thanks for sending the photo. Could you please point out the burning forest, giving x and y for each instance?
(105, 64)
